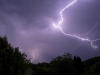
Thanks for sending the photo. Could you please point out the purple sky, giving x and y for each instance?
(28, 25)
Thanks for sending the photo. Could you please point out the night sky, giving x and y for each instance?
(28, 25)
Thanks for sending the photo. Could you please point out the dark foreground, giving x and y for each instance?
(13, 62)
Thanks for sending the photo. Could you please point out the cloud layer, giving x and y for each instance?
(28, 25)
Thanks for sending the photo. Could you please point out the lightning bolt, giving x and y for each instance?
(33, 56)
(97, 23)
(75, 36)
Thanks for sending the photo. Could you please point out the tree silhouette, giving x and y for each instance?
(63, 65)
(12, 61)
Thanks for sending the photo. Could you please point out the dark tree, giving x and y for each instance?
(79, 67)
(63, 65)
(12, 61)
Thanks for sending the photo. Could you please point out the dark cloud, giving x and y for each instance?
(28, 25)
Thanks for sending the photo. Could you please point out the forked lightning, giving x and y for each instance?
(71, 35)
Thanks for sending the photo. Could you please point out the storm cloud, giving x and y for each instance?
(28, 25)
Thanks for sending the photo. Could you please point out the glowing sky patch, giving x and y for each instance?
(71, 35)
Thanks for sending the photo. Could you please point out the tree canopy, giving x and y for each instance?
(14, 62)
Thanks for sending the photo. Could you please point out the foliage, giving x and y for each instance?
(13, 62)
(92, 66)
(63, 65)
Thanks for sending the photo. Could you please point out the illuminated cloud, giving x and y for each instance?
(27, 24)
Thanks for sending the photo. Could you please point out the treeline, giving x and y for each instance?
(13, 62)
(67, 65)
